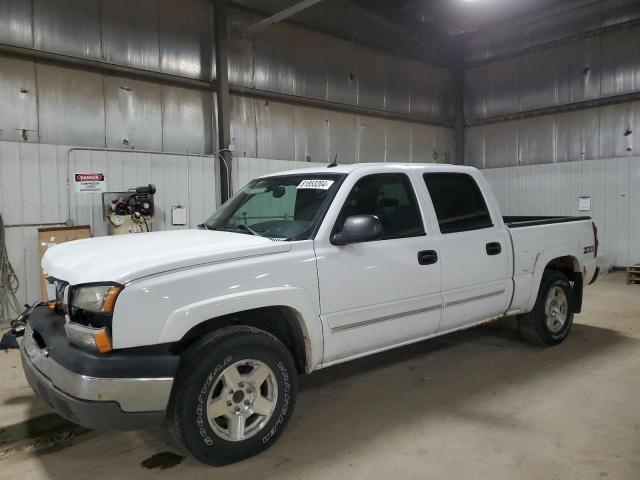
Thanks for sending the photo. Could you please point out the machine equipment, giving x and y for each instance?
(129, 212)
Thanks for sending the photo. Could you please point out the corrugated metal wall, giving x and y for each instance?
(267, 129)
(34, 190)
(600, 132)
(166, 36)
(540, 160)
(49, 104)
(354, 22)
(66, 106)
(246, 169)
(587, 69)
(73, 106)
(288, 59)
(574, 18)
(553, 189)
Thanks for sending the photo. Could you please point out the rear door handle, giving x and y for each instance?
(427, 257)
(494, 248)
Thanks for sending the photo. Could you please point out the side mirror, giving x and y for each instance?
(358, 228)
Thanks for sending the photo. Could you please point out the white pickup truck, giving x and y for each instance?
(208, 329)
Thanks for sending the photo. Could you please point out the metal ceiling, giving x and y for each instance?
(437, 30)
(465, 16)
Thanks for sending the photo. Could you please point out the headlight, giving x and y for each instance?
(90, 313)
(95, 298)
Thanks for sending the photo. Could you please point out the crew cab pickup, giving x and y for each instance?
(207, 329)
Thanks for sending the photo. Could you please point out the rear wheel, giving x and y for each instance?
(233, 395)
(550, 321)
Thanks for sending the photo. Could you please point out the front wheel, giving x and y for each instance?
(549, 323)
(233, 395)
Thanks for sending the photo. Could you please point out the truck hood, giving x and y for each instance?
(123, 258)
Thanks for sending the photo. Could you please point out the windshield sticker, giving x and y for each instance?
(315, 184)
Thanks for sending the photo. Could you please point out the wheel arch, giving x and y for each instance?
(290, 306)
(283, 322)
(569, 266)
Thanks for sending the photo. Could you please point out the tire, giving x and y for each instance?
(228, 360)
(536, 326)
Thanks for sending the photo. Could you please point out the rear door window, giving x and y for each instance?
(458, 202)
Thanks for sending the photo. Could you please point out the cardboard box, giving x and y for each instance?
(52, 236)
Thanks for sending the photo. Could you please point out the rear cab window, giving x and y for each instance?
(458, 202)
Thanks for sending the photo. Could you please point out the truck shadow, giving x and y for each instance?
(343, 408)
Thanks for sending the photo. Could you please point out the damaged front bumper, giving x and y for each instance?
(123, 390)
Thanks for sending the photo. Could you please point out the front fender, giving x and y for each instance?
(180, 321)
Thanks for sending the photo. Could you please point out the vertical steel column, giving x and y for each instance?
(222, 94)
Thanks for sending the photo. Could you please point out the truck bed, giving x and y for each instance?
(529, 221)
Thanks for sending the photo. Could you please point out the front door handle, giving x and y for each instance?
(494, 248)
(427, 257)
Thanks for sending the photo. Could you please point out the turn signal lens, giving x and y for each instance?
(110, 299)
(97, 339)
(103, 342)
(55, 307)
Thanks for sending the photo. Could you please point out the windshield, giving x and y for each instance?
(286, 207)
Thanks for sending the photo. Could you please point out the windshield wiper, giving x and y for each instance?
(249, 229)
(244, 228)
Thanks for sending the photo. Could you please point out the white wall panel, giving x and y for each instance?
(22, 248)
(553, 189)
(179, 179)
(34, 190)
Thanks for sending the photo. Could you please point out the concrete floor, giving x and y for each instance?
(476, 404)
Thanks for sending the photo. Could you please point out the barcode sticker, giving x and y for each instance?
(315, 184)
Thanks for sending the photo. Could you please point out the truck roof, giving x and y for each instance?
(376, 167)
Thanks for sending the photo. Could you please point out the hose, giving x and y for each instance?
(9, 306)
